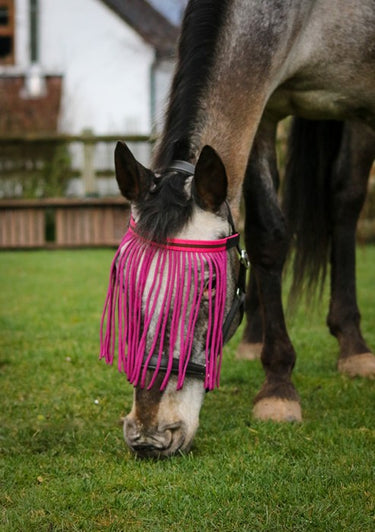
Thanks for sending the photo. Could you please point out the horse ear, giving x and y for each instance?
(133, 179)
(210, 180)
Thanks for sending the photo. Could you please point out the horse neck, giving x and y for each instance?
(200, 32)
(225, 132)
(213, 100)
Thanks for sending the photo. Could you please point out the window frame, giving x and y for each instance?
(8, 30)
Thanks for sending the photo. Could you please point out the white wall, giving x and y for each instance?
(105, 63)
(162, 82)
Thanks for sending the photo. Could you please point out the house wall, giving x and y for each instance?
(162, 78)
(106, 65)
(19, 116)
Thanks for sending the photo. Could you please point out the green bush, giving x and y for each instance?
(34, 170)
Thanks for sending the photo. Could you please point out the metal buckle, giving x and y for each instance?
(244, 258)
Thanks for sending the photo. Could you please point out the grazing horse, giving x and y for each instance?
(176, 288)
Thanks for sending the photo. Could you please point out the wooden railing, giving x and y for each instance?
(45, 158)
(80, 222)
(62, 223)
(59, 222)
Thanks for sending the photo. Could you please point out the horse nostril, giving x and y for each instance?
(169, 432)
(174, 436)
(171, 426)
(131, 429)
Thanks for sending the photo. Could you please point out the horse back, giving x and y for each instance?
(329, 69)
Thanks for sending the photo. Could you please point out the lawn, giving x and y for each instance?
(65, 467)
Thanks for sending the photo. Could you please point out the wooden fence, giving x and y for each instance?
(62, 223)
(59, 222)
(85, 222)
(35, 165)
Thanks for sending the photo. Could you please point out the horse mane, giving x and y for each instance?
(166, 210)
(200, 29)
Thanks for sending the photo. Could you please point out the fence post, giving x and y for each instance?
(88, 173)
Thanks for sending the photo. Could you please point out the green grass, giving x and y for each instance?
(64, 465)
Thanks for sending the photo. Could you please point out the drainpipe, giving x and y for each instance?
(35, 84)
(153, 96)
(34, 31)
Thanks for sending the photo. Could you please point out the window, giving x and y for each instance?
(6, 32)
(4, 16)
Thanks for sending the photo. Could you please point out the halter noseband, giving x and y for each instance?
(194, 369)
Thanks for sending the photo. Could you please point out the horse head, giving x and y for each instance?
(174, 290)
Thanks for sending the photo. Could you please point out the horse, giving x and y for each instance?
(177, 280)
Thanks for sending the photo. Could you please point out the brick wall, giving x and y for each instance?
(20, 115)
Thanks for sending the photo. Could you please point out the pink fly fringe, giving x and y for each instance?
(163, 288)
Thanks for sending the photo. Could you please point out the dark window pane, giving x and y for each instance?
(4, 16)
(5, 46)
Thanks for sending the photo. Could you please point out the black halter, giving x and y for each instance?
(238, 304)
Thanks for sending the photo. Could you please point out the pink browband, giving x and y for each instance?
(204, 246)
(161, 288)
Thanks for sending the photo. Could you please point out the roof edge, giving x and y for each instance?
(149, 23)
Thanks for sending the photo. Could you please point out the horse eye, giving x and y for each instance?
(209, 284)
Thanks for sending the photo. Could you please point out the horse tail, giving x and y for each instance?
(312, 150)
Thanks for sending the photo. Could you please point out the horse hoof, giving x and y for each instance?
(276, 409)
(358, 365)
(249, 351)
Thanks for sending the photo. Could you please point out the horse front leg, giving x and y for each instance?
(349, 184)
(267, 244)
(251, 344)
